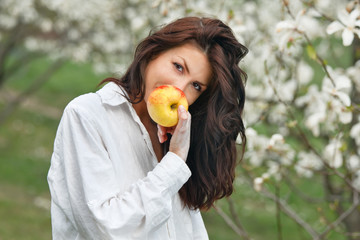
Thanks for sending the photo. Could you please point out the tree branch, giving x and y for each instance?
(33, 88)
(303, 136)
(308, 198)
(291, 213)
(236, 218)
(278, 212)
(318, 57)
(231, 224)
(7, 47)
(22, 61)
(344, 215)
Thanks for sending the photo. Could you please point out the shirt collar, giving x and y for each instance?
(112, 94)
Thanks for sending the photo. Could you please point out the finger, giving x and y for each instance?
(182, 112)
(180, 141)
(183, 116)
(161, 134)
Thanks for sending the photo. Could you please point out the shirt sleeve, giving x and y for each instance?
(83, 184)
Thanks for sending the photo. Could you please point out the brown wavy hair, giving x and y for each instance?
(216, 114)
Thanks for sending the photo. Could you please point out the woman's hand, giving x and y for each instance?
(180, 140)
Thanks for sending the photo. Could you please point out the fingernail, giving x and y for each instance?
(182, 108)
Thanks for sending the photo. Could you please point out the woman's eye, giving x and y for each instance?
(197, 86)
(179, 67)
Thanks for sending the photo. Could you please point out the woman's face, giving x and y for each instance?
(185, 67)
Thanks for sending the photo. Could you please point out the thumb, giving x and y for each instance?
(183, 116)
(180, 141)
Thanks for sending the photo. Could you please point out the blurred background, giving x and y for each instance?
(300, 176)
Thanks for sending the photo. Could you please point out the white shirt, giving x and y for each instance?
(105, 180)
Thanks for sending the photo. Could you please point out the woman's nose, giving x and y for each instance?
(184, 87)
(181, 85)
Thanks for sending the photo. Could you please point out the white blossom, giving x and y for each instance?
(304, 72)
(273, 170)
(7, 22)
(291, 29)
(326, 108)
(46, 25)
(314, 120)
(328, 6)
(81, 53)
(315, 108)
(279, 151)
(308, 163)
(279, 116)
(275, 140)
(356, 180)
(340, 87)
(353, 163)
(332, 154)
(254, 110)
(256, 147)
(354, 72)
(355, 132)
(258, 184)
(287, 90)
(348, 23)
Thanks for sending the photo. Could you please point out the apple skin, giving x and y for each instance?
(163, 104)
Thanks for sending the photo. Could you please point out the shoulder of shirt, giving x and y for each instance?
(110, 94)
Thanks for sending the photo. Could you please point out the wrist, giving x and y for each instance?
(179, 154)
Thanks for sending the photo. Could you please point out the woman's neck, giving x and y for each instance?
(141, 111)
(150, 125)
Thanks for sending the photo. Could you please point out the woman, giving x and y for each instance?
(115, 174)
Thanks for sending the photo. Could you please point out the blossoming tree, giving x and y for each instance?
(303, 91)
(103, 32)
(302, 110)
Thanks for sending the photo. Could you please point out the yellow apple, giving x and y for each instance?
(163, 104)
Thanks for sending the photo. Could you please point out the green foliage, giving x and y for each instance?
(21, 219)
(71, 80)
(26, 142)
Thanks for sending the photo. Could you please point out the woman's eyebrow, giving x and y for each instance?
(187, 69)
(185, 65)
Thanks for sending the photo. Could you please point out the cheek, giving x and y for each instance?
(157, 76)
(146, 96)
(191, 97)
(191, 100)
(150, 83)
